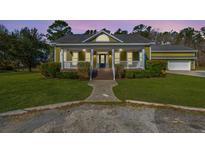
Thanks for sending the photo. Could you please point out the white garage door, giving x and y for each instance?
(179, 65)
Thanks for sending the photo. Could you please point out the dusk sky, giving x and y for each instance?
(80, 26)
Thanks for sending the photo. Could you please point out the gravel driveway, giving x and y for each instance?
(105, 118)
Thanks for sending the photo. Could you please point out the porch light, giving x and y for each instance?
(120, 49)
(84, 50)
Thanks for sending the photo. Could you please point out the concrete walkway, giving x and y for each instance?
(191, 73)
(102, 91)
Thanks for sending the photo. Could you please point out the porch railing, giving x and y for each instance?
(132, 64)
(72, 64)
(126, 64)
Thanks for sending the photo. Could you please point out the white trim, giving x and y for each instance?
(150, 54)
(165, 51)
(90, 44)
(101, 31)
(62, 58)
(143, 58)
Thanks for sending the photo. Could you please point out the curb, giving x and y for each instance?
(165, 105)
(38, 108)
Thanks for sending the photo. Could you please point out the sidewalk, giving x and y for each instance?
(102, 90)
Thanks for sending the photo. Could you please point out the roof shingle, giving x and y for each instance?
(79, 38)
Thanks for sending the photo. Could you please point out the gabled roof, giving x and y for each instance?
(132, 38)
(84, 38)
(170, 47)
(99, 33)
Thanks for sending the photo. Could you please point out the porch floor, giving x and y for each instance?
(104, 74)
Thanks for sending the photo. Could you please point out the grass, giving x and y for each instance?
(22, 89)
(174, 89)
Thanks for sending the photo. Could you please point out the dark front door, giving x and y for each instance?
(102, 60)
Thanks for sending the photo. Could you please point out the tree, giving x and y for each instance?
(203, 31)
(3, 29)
(190, 37)
(58, 29)
(168, 37)
(5, 43)
(91, 32)
(120, 31)
(143, 30)
(30, 47)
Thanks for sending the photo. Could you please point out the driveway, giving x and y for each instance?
(199, 73)
(97, 118)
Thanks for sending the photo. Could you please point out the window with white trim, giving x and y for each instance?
(117, 57)
(75, 58)
(129, 58)
(87, 56)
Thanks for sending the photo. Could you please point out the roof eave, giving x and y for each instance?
(98, 44)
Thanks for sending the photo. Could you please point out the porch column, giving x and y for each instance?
(62, 58)
(113, 63)
(91, 63)
(143, 59)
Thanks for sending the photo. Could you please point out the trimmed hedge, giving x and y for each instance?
(130, 74)
(50, 69)
(153, 69)
(67, 75)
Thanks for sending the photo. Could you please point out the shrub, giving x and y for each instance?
(67, 75)
(153, 69)
(156, 68)
(119, 71)
(7, 68)
(83, 70)
(50, 69)
(130, 74)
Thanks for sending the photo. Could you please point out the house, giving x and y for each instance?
(104, 50)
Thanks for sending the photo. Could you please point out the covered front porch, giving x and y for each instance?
(100, 58)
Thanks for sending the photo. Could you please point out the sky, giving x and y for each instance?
(80, 26)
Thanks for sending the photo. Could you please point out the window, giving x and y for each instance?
(129, 58)
(75, 58)
(87, 56)
(117, 57)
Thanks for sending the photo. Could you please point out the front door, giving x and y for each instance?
(102, 60)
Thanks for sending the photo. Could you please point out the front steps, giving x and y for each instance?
(104, 74)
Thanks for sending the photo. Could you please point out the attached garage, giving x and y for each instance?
(179, 65)
(178, 57)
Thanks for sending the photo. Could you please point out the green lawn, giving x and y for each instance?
(21, 90)
(174, 89)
